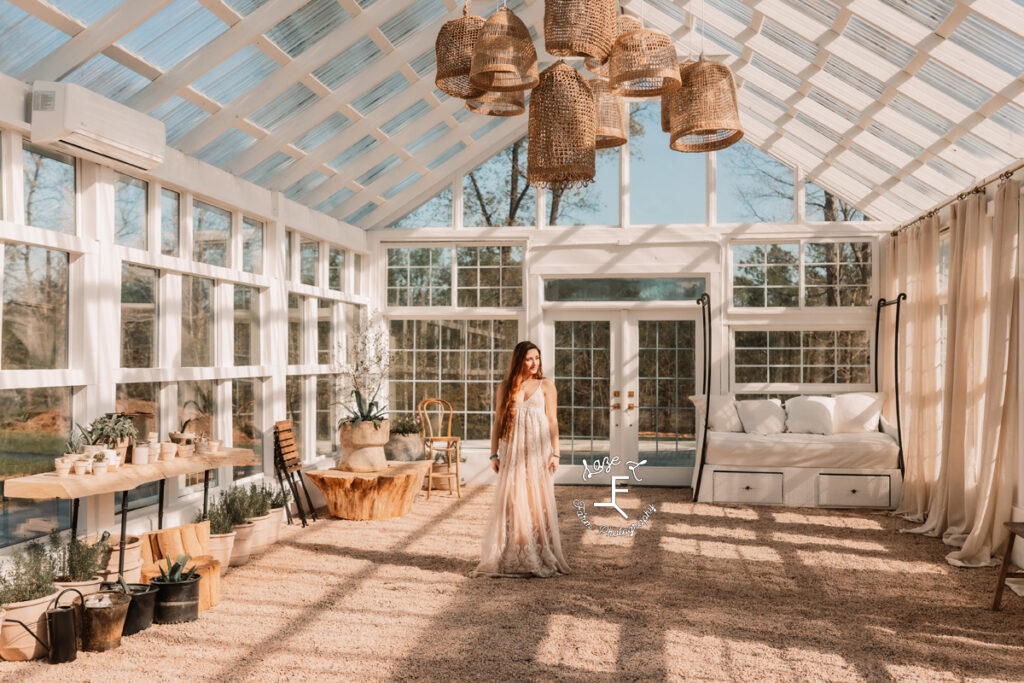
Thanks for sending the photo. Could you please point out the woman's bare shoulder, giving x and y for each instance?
(548, 383)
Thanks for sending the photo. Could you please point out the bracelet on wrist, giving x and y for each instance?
(494, 456)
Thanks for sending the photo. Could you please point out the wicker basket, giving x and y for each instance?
(498, 103)
(669, 103)
(643, 64)
(454, 49)
(563, 125)
(707, 118)
(579, 28)
(623, 23)
(504, 58)
(612, 117)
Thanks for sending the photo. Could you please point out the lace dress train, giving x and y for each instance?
(521, 537)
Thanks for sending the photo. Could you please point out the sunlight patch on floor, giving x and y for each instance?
(580, 644)
(715, 531)
(803, 539)
(835, 521)
(901, 672)
(715, 549)
(720, 511)
(835, 560)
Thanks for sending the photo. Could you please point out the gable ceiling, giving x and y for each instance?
(894, 105)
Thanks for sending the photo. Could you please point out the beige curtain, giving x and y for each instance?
(912, 260)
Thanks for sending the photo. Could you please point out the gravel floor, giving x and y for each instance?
(703, 593)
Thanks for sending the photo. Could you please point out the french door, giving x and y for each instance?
(624, 378)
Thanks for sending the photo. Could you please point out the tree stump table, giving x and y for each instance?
(381, 494)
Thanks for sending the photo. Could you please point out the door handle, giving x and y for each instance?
(616, 406)
(630, 407)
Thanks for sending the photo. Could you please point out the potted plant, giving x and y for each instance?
(77, 564)
(26, 591)
(132, 559)
(99, 463)
(278, 501)
(406, 441)
(222, 535)
(114, 431)
(366, 429)
(235, 503)
(141, 607)
(177, 598)
(258, 511)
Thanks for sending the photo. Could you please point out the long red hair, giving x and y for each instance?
(513, 383)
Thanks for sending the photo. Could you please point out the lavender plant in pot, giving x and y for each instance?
(222, 534)
(26, 591)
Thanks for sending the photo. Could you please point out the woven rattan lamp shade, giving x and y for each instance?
(562, 130)
(668, 100)
(498, 103)
(579, 28)
(612, 118)
(623, 23)
(643, 64)
(504, 58)
(454, 50)
(706, 117)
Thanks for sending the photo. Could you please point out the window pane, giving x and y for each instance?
(309, 260)
(594, 204)
(196, 321)
(837, 273)
(130, 206)
(624, 289)
(246, 429)
(293, 399)
(420, 276)
(802, 356)
(35, 319)
(139, 295)
(142, 401)
(357, 273)
(326, 416)
(196, 401)
(49, 189)
(324, 331)
(752, 186)
(288, 255)
(435, 212)
(34, 424)
(765, 275)
(336, 269)
(496, 192)
(170, 222)
(247, 325)
(490, 276)
(665, 186)
(295, 331)
(211, 234)
(822, 205)
(252, 246)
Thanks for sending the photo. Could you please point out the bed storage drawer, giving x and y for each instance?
(853, 490)
(763, 488)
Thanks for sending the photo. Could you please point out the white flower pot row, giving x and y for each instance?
(234, 549)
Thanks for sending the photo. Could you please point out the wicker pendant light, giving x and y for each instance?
(498, 103)
(623, 23)
(579, 28)
(454, 50)
(611, 115)
(669, 105)
(707, 117)
(504, 58)
(643, 64)
(562, 130)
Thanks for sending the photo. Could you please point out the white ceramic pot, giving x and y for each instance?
(243, 544)
(261, 534)
(81, 467)
(168, 451)
(140, 454)
(221, 547)
(99, 467)
(91, 449)
(63, 469)
(214, 445)
(276, 520)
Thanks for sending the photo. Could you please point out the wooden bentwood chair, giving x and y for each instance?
(436, 421)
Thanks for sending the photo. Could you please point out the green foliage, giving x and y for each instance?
(176, 573)
(235, 505)
(29, 576)
(406, 425)
(77, 561)
(364, 411)
(73, 444)
(109, 430)
(220, 521)
(259, 497)
(281, 498)
(36, 443)
(25, 465)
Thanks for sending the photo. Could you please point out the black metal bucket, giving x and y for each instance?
(102, 625)
(141, 608)
(177, 602)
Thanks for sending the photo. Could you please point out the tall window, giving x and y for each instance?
(309, 260)
(288, 236)
(496, 192)
(246, 407)
(324, 331)
(326, 416)
(49, 189)
(665, 186)
(296, 334)
(802, 357)
(35, 313)
(197, 413)
(766, 275)
(196, 321)
(211, 234)
(252, 246)
(336, 269)
(594, 204)
(490, 276)
(293, 401)
(139, 315)
(170, 222)
(420, 276)
(837, 273)
(130, 207)
(753, 187)
(435, 212)
(247, 325)
(142, 401)
(823, 205)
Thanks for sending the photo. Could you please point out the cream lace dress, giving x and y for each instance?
(521, 537)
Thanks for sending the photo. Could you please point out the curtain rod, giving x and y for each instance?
(980, 187)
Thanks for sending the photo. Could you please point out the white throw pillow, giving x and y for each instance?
(762, 416)
(857, 413)
(810, 414)
(723, 416)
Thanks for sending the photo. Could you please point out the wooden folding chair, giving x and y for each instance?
(436, 420)
(287, 464)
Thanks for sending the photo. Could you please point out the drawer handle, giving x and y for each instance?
(746, 488)
(853, 490)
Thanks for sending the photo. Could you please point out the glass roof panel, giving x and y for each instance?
(929, 13)
(361, 213)
(308, 184)
(722, 40)
(245, 7)
(266, 169)
(851, 75)
(874, 159)
(462, 114)
(322, 132)
(487, 127)
(821, 10)
(783, 36)
(778, 104)
(446, 155)
(431, 136)
(173, 33)
(992, 43)
(103, 75)
(293, 101)
(395, 189)
(34, 37)
(235, 75)
(922, 115)
(1011, 117)
(346, 64)
(925, 189)
(179, 116)
(947, 169)
(425, 63)
(86, 11)
(982, 150)
(895, 139)
(831, 103)
(225, 147)
(380, 93)
(879, 42)
(669, 9)
(364, 145)
(378, 170)
(775, 71)
(402, 120)
(946, 80)
(410, 20)
(304, 27)
(334, 200)
(735, 9)
(819, 128)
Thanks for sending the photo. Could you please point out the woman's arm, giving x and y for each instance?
(499, 399)
(551, 408)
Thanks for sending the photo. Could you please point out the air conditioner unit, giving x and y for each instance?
(85, 124)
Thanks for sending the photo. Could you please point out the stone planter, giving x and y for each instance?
(362, 448)
(404, 447)
(243, 544)
(261, 534)
(221, 546)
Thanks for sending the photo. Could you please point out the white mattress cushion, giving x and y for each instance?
(810, 414)
(763, 416)
(856, 413)
(867, 450)
(724, 417)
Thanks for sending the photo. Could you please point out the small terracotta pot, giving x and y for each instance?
(221, 547)
(81, 467)
(63, 469)
(99, 467)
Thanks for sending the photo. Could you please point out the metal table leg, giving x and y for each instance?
(160, 506)
(74, 518)
(124, 532)
(206, 494)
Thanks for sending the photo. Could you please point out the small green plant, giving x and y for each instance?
(234, 503)
(110, 431)
(77, 561)
(88, 437)
(73, 444)
(220, 521)
(406, 425)
(30, 575)
(365, 411)
(176, 573)
(259, 496)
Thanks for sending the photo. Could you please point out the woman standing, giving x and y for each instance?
(521, 537)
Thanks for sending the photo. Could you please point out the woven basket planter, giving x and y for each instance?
(454, 50)
(669, 103)
(623, 24)
(707, 118)
(612, 118)
(563, 125)
(643, 64)
(580, 28)
(498, 103)
(504, 58)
